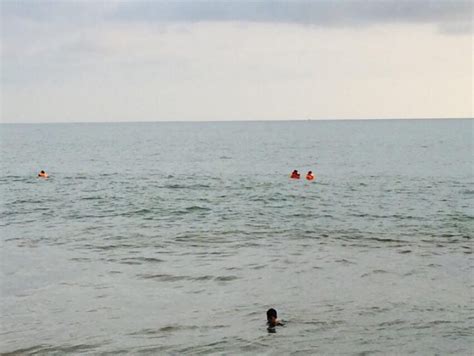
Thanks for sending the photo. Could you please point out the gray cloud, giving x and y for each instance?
(447, 14)
(337, 13)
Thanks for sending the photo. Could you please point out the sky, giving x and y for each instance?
(220, 60)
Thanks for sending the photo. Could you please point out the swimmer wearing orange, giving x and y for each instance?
(295, 175)
(309, 176)
(43, 174)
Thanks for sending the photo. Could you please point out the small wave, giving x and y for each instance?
(232, 268)
(225, 278)
(81, 259)
(461, 217)
(109, 247)
(373, 311)
(368, 352)
(162, 277)
(143, 211)
(172, 328)
(182, 186)
(214, 347)
(323, 323)
(191, 209)
(11, 238)
(430, 324)
(51, 349)
(413, 272)
(377, 271)
(197, 208)
(163, 330)
(392, 323)
(9, 179)
(26, 201)
(344, 261)
(94, 197)
(149, 259)
(174, 186)
(379, 239)
(140, 260)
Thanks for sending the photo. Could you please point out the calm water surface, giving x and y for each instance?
(176, 237)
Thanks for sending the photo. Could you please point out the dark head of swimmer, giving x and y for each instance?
(272, 318)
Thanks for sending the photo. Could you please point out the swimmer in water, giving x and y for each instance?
(309, 176)
(295, 175)
(272, 320)
(43, 174)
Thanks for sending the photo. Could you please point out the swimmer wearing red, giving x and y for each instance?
(295, 175)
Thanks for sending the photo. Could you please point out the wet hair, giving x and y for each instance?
(42, 172)
(271, 313)
(310, 172)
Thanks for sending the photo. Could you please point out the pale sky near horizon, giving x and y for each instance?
(183, 60)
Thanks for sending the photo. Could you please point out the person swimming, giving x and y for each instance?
(43, 174)
(295, 175)
(309, 176)
(272, 320)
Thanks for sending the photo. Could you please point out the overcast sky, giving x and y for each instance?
(72, 61)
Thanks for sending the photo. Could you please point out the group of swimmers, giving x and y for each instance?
(295, 175)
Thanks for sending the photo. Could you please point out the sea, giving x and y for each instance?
(176, 237)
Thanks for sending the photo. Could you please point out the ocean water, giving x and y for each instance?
(175, 238)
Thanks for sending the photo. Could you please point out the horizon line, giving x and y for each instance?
(228, 121)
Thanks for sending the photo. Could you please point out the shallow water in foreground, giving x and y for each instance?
(176, 238)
